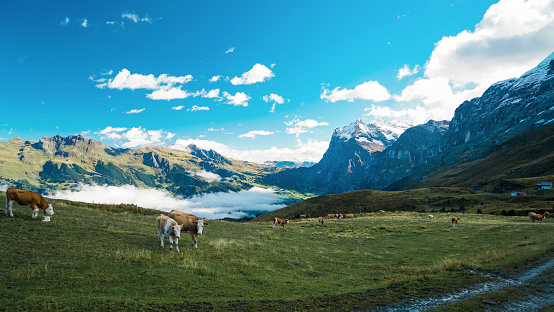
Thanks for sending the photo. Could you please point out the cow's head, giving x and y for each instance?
(177, 230)
(49, 211)
(199, 226)
(286, 220)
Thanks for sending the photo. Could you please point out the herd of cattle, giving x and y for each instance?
(176, 221)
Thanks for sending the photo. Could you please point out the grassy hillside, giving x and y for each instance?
(439, 199)
(62, 163)
(93, 257)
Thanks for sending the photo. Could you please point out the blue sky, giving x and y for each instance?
(254, 80)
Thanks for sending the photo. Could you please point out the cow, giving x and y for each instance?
(281, 222)
(546, 215)
(305, 216)
(535, 217)
(332, 216)
(27, 198)
(320, 221)
(430, 217)
(189, 223)
(455, 221)
(381, 210)
(349, 216)
(169, 227)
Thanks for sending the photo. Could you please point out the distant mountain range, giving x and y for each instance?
(63, 162)
(506, 133)
(361, 159)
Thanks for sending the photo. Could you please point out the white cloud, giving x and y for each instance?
(169, 94)
(252, 134)
(196, 108)
(125, 80)
(135, 111)
(215, 78)
(276, 99)
(135, 18)
(178, 107)
(510, 39)
(65, 22)
(136, 136)
(239, 99)
(212, 94)
(406, 71)
(258, 73)
(370, 90)
(231, 50)
(211, 206)
(205, 175)
(84, 23)
(311, 151)
(302, 126)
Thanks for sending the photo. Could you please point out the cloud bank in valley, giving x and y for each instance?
(210, 206)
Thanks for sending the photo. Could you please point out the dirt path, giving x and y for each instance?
(538, 292)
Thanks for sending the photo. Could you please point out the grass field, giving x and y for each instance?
(94, 258)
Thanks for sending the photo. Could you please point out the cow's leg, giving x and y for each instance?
(34, 214)
(273, 224)
(193, 243)
(170, 242)
(177, 245)
(9, 204)
(161, 237)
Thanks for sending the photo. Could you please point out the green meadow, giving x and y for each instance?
(97, 257)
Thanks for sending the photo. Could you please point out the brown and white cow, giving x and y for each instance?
(27, 198)
(332, 216)
(281, 222)
(535, 217)
(319, 220)
(430, 217)
(169, 227)
(189, 223)
(349, 216)
(455, 221)
(546, 215)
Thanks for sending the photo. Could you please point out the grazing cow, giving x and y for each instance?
(381, 210)
(535, 217)
(430, 217)
(341, 216)
(169, 227)
(332, 216)
(189, 223)
(281, 222)
(27, 198)
(305, 216)
(546, 214)
(455, 221)
(320, 221)
(349, 216)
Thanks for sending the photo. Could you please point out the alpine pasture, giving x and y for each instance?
(100, 257)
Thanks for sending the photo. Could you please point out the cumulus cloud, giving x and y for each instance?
(178, 107)
(276, 99)
(406, 71)
(205, 175)
(136, 136)
(84, 22)
(212, 94)
(311, 151)
(369, 90)
(210, 206)
(509, 40)
(297, 126)
(258, 73)
(239, 99)
(252, 134)
(215, 78)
